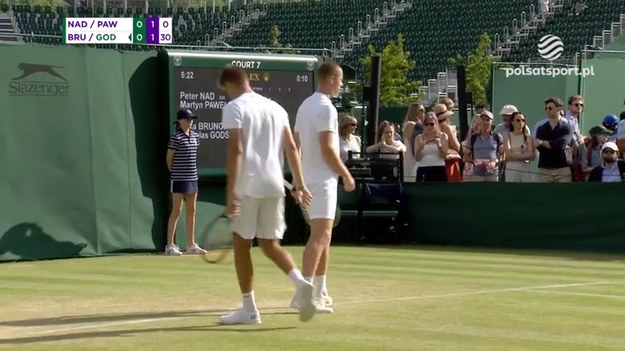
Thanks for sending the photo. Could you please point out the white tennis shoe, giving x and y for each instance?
(323, 304)
(195, 249)
(172, 250)
(303, 298)
(241, 316)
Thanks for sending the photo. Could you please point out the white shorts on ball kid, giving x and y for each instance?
(262, 218)
(324, 197)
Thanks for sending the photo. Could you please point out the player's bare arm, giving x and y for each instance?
(300, 193)
(333, 161)
(298, 143)
(170, 158)
(233, 167)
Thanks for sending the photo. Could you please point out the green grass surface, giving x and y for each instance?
(413, 298)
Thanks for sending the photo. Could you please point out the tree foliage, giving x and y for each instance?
(276, 46)
(395, 89)
(478, 67)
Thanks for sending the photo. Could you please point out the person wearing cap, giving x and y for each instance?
(611, 123)
(483, 151)
(611, 168)
(506, 112)
(620, 132)
(591, 152)
(183, 177)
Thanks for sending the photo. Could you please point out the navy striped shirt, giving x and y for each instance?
(184, 166)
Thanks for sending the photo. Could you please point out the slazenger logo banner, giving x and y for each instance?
(38, 79)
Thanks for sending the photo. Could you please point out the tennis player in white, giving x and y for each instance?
(259, 136)
(316, 133)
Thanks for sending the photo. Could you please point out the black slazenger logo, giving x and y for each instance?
(32, 68)
(25, 86)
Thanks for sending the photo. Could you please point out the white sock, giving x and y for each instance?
(308, 279)
(319, 282)
(249, 303)
(296, 276)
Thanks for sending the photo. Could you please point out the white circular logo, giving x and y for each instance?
(177, 60)
(550, 47)
(310, 65)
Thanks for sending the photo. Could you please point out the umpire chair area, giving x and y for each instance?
(375, 211)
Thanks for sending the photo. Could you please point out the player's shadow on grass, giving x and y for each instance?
(103, 318)
(28, 241)
(133, 332)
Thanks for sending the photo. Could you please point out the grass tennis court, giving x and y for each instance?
(410, 298)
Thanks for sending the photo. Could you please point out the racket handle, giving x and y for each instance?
(288, 185)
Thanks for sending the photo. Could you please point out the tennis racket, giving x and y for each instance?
(303, 208)
(217, 239)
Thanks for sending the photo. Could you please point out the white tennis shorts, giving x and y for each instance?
(262, 218)
(324, 198)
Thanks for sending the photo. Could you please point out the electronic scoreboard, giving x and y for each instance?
(192, 84)
(109, 30)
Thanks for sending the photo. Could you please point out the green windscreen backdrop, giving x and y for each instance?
(604, 91)
(82, 141)
(528, 92)
(83, 173)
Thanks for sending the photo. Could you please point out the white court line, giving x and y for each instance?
(405, 298)
(607, 296)
(477, 292)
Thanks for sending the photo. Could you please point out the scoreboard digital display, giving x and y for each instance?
(192, 84)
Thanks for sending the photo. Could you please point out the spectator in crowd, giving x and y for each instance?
(611, 169)
(591, 152)
(610, 122)
(578, 8)
(348, 139)
(448, 102)
(452, 160)
(412, 127)
(551, 140)
(484, 150)
(480, 108)
(467, 170)
(519, 150)
(506, 116)
(430, 150)
(620, 132)
(386, 141)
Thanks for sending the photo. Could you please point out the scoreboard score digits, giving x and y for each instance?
(150, 30)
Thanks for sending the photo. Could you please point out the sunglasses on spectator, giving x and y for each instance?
(608, 151)
(429, 124)
(519, 120)
(579, 104)
(353, 124)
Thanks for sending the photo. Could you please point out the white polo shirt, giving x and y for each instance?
(262, 122)
(315, 115)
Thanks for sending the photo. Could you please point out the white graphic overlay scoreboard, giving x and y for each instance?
(150, 30)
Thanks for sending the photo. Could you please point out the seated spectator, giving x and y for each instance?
(591, 152)
(611, 169)
(386, 141)
(348, 139)
(430, 151)
(518, 150)
(610, 122)
(484, 150)
(578, 8)
(552, 138)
